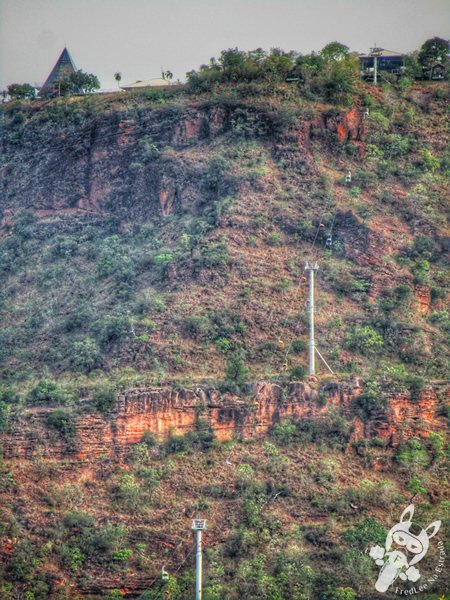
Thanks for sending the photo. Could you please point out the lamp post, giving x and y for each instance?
(198, 525)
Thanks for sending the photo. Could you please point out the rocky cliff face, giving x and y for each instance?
(164, 411)
(114, 164)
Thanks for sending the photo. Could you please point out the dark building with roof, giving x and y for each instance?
(62, 70)
(387, 62)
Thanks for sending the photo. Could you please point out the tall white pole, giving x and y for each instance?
(312, 341)
(198, 525)
(198, 567)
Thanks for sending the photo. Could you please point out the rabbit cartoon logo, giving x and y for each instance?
(395, 562)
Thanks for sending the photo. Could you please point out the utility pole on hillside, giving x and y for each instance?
(312, 343)
(375, 53)
(198, 525)
(311, 309)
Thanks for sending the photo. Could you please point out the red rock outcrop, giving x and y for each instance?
(347, 126)
(166, 196)
(422, 294)
(163, 411)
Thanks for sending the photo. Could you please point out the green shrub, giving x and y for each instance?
(273, 239)
(106, 539)
(177, 444)
(122, 555)
(398, 379)
(429, 162)
(114, 595)
(341, 593)
(236, 371)
(440, 318)
(378, 126)
(63, 422)
(246, 123)
(284, 433)
(148, 149)
(149, 325)
(283, 284)
(298, 346)
(195, 326)
(200, 439)
(285, 119)
(111, 329)
(367, 532)
(5, 416)
(394, 298)
(114, 261)
(224, 345)
(395, 145)
(64, 246)
(77, 319)
(423, 247)
(85, 355)
(149, 439)
(79, 521)
(47, 392)
(24, 224)
(412, 455)
(371, 402)
(163, 260)
(215, 255)
(216, 178)
(72, 558)
(104, 397)
(415, 486)
(128, 491)
(363, 339)
(437, 293)
(331, 429)
(297, 373)
(22, 564)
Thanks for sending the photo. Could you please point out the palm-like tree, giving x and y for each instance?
(118, 78)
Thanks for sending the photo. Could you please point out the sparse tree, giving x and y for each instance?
(118, 78)
(168, 75)
(21, 91)
(85, 82)
(432, 53)
(334, 51)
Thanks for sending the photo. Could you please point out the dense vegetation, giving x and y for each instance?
(187, 266)
(289, 517)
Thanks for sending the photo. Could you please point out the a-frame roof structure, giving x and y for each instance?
(63, 69)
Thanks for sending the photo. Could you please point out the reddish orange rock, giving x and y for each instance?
(163, 411)
(422, 293)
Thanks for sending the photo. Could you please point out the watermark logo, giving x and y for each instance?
(404, 549)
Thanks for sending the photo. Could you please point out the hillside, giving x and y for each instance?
(152, 254)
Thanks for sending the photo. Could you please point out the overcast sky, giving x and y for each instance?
(138, 37)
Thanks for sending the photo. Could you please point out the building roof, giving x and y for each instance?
(63, 68)
(156, 82)
(382, 52)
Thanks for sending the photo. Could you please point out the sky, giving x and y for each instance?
(141, 37)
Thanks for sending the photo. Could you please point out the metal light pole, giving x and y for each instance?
(312, 342)
(198, 525)
(375, 53)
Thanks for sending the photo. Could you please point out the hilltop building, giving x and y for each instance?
(387, 62)
(62, 70)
